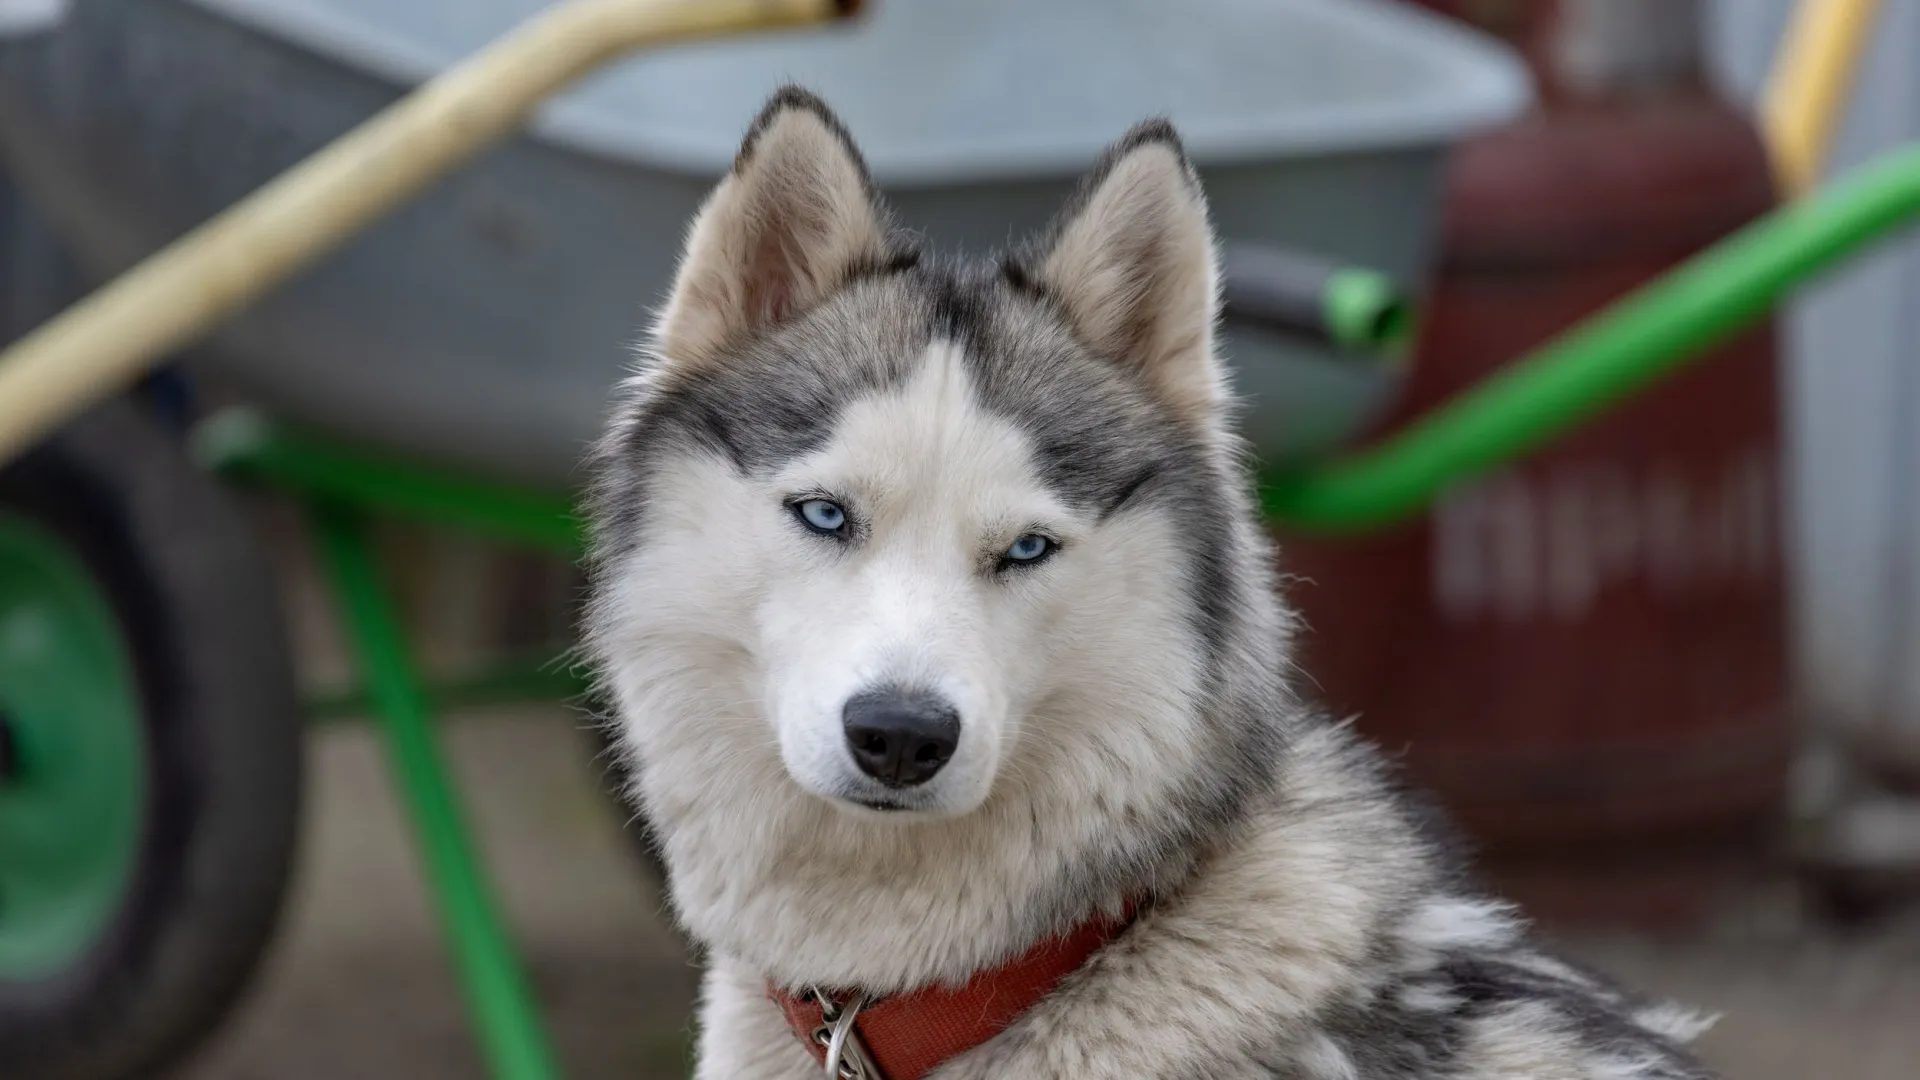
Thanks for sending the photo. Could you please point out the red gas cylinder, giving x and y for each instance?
(1585, 655)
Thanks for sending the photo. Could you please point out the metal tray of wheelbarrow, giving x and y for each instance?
(483, 324)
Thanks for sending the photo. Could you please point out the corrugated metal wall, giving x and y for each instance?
(1854, 387)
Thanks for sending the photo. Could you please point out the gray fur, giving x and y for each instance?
(1298, 916)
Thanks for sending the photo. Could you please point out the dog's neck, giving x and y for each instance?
(812, 895)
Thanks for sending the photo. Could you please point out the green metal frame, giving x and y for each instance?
(249, 446)
(341, 488)
(1614, 354)
(496, 988)
(1618, 352)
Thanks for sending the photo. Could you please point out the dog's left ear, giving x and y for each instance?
(1132, 262)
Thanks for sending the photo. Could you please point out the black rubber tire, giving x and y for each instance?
(197, 603)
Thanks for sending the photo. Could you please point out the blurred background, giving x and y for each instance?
(1665, 667)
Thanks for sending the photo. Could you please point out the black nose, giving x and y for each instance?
(901, 737)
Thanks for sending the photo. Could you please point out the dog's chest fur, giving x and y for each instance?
(1325, 940)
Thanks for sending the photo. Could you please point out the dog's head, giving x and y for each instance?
(917, 532)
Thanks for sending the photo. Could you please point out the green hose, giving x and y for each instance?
(1366, 313)
(1689, 310)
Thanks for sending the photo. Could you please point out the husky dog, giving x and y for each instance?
(938, 621)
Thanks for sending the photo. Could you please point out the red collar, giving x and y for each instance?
(909, 1035)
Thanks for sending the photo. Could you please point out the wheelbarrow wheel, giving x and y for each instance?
(150, 753)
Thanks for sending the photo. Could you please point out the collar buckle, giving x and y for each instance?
(847, 1056)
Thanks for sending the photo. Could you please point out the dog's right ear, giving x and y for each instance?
(793, 220)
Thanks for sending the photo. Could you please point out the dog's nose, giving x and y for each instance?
(901, 738)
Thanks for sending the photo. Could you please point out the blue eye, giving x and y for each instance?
(1029, 549)
(822, 515)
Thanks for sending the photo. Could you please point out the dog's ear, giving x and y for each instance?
(797, 215)
(1132, 262)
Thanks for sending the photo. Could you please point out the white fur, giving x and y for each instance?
(763, 633)
(1450, 923)
(731, 639)
(1676, 1022)
(943, 488)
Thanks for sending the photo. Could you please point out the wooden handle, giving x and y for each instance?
(105, 341)
(1808, 87)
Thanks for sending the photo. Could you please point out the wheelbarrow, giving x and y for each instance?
(374, 439)
(451, 360)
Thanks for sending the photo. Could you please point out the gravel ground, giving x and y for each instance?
(359, 985)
